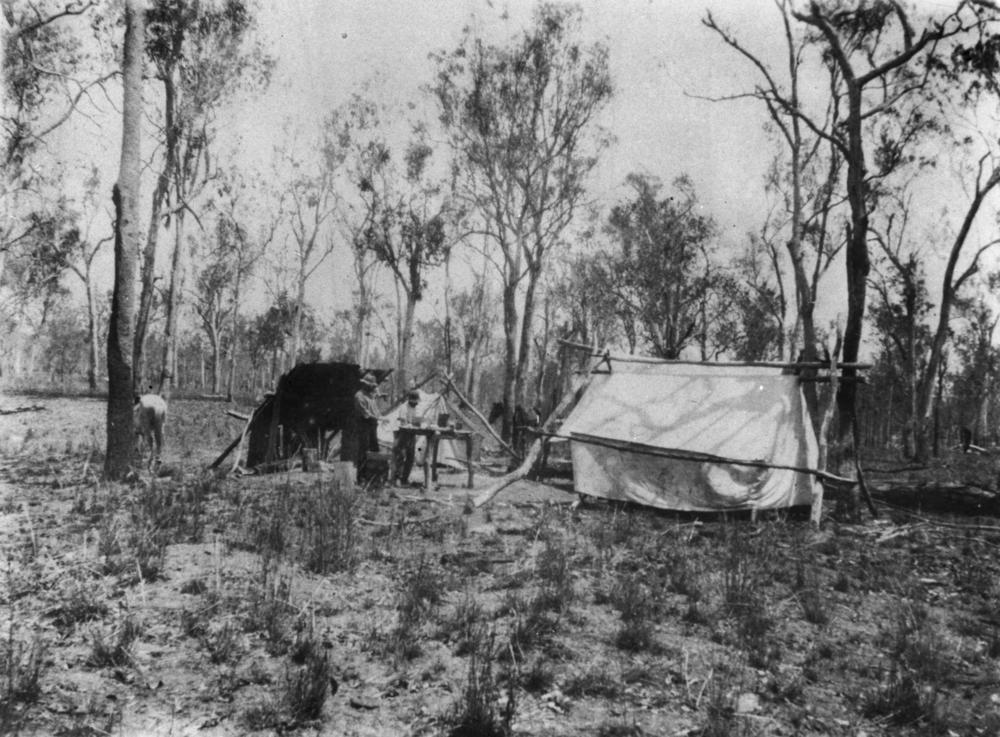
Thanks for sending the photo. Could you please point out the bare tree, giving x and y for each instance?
(80, 261)
(878, 79)
(987, 178)
(313, 199)
(806, 186)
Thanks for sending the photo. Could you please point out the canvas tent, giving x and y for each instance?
(430, 406)
(708, 413)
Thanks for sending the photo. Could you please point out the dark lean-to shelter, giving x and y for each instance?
(311, 404)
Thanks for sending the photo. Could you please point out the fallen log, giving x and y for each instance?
(18, 410)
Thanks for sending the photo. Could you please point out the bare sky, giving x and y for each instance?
(659, 52)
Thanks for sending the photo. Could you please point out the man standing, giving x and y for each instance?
(366, 422)
(406, 443)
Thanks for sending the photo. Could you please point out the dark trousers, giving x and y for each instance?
(406, 451)
(367, 439)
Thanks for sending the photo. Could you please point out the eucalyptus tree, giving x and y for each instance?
(663, 271)
(121, 437)
(521, 118)
(409, 224)
(901, 302)
(48, 72)
(979, 372)
(204, 55)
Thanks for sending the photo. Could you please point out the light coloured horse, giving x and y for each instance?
(149, 416)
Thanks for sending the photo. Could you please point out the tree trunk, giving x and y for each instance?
(300, 303)
(121, 433)
(174, 298)
(216, 340)
(543, 350)
(234, 334)
(950, 288)
(524, 354)
(857, 279)
(510, 359)
(93, 355)
(152, 237)
(405, 344)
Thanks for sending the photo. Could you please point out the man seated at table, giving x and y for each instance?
(406, 443)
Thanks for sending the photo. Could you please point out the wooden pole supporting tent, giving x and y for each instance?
(731, 364)
(450, 384)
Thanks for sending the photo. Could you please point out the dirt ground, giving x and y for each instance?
(193, 604)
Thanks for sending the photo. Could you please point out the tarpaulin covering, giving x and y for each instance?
(734, 412)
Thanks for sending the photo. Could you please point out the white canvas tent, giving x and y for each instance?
(430, 406)
(712, 412)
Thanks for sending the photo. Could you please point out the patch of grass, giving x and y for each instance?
(270, 605)
(222, 643)
(683, 577)
(532, 626)
(619, 728)
(915, 644)
(636, 606)
(697, 614)
(465, 625)
(419, 597)
(744, 575)
(815, 608)
(597, 681)
(554, 573)
(331, 541)
(919, 668)
(538, 677)
(476, 713)
(900, 700)
(114, 650)
(307, 685)
(262, 716)
(721, 719)
(79, 603)
(21, 667)
(195, 587)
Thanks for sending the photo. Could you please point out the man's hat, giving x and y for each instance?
(414, 395)
(369, 380)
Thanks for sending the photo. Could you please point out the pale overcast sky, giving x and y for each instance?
(660, 54)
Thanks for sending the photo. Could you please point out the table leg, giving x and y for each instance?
(434, 465)
(427, 463)
(468, 458)
(393, 460)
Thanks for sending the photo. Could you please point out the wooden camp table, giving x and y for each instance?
(434, 434)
